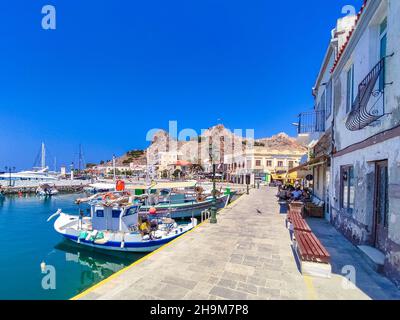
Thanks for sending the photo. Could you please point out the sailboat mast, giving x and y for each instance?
(43, 163)
(114, 171)
(80, 158)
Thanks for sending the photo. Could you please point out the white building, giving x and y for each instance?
(317, 124)
(262, 162)
(358, 93)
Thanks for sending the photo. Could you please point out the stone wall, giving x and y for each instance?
(358, 226)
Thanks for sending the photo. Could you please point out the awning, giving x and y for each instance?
(278, 176)
(312, 163)
(174, 185)
(292, 176)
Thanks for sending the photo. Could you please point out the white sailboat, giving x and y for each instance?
(38, 174)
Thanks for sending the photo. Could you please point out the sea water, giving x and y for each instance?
(30, 245)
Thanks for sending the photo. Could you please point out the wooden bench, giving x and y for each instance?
(300, 225)
(310, 249)
(293, 215)
(296, 205)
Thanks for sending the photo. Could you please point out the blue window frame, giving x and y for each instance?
(116, 214)
(100, 213)
(383, 52)
(350, 89)
(328, 99)
(131, 211)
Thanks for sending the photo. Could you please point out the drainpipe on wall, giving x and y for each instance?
(332, 179)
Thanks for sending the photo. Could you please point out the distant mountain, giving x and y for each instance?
(282, 142)
(197, 150)
(223, 140)
(136, 157)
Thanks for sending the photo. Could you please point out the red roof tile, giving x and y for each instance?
(349, 36)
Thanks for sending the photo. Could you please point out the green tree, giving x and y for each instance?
(135, 154)
(164, 174)
(177, 173)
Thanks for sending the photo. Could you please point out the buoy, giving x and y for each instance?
(120, 185)
(152, 211)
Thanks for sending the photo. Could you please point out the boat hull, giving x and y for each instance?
(150, 246)
(67, 226)
(182, 211)
(47, 193)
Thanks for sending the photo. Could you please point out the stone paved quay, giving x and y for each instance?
(247, 255)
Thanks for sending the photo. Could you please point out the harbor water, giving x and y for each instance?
(30, 243)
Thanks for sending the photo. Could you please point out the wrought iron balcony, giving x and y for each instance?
(310, 122)
(369, 104)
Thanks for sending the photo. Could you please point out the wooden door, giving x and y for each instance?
(381, 216)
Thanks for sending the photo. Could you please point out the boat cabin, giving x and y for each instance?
(116, 219)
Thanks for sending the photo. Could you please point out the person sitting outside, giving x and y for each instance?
(306, 195)
(296, 194)
(144, 227)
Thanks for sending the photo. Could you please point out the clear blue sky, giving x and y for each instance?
(114, 69)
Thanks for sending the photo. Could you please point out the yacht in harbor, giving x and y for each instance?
(39, 174)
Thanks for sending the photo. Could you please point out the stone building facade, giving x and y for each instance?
(360, 92)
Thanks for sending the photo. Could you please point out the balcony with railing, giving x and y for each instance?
(369, 105)
(311, 122)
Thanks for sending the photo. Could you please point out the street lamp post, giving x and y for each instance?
(214, 191)
(10, 170)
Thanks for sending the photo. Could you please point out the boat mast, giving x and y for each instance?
(81, 160)
(43, 163)
(113, 162)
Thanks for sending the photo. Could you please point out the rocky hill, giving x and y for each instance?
(136, 157)
(197, 150)
(281, 142)
(223, 140)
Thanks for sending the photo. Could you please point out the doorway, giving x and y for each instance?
(381, 205)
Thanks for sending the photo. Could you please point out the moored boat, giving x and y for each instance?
(187, 209)
(180, 200)
(99, 187)
(46, 190)
(119, 227)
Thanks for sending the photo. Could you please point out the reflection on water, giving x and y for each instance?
(97, 265)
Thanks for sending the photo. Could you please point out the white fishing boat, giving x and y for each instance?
(115, 224)
(46, 190)
(99, 187)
